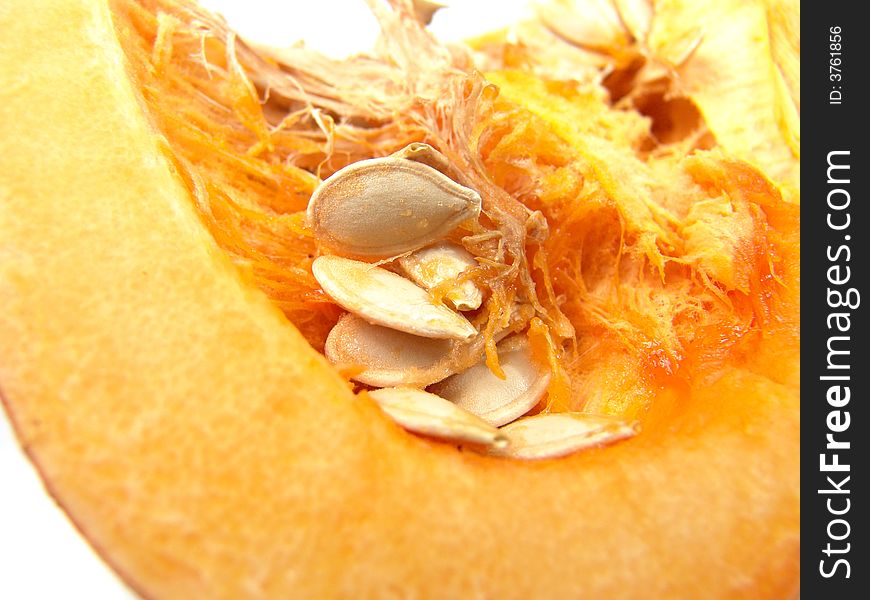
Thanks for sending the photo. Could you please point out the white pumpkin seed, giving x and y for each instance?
(559, 434)
(390, 357)
(388, 206)
(384, 298)
(394, 358)
(437, 265)
(498, 401)
(428, 414)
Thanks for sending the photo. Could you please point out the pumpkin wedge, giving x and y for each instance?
(207, 450)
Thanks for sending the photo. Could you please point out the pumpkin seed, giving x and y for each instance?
(387, 206)
(559, 434)
(437, 265)
(394, 358)
(498, 401)
(428, 414)
(384, 298)
(390, 357)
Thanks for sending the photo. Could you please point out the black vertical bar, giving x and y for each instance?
(834, 258)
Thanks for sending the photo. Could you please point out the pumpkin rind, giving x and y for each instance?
(206, 450)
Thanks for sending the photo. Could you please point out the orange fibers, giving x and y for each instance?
(656, 250)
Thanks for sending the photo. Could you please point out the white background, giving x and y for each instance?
(42, 557)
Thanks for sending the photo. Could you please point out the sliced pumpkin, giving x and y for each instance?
(160, 336)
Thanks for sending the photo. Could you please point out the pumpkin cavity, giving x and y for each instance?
(565, 164)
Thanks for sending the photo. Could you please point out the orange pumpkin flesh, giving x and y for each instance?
(206, 450)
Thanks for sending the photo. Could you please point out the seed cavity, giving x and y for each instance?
(560, 434)
(439, 266)
(428, 414)
(404, 331)
(388, 206)
(387, 299)
(498, 401)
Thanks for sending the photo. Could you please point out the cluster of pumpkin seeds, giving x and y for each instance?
(386, 223)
